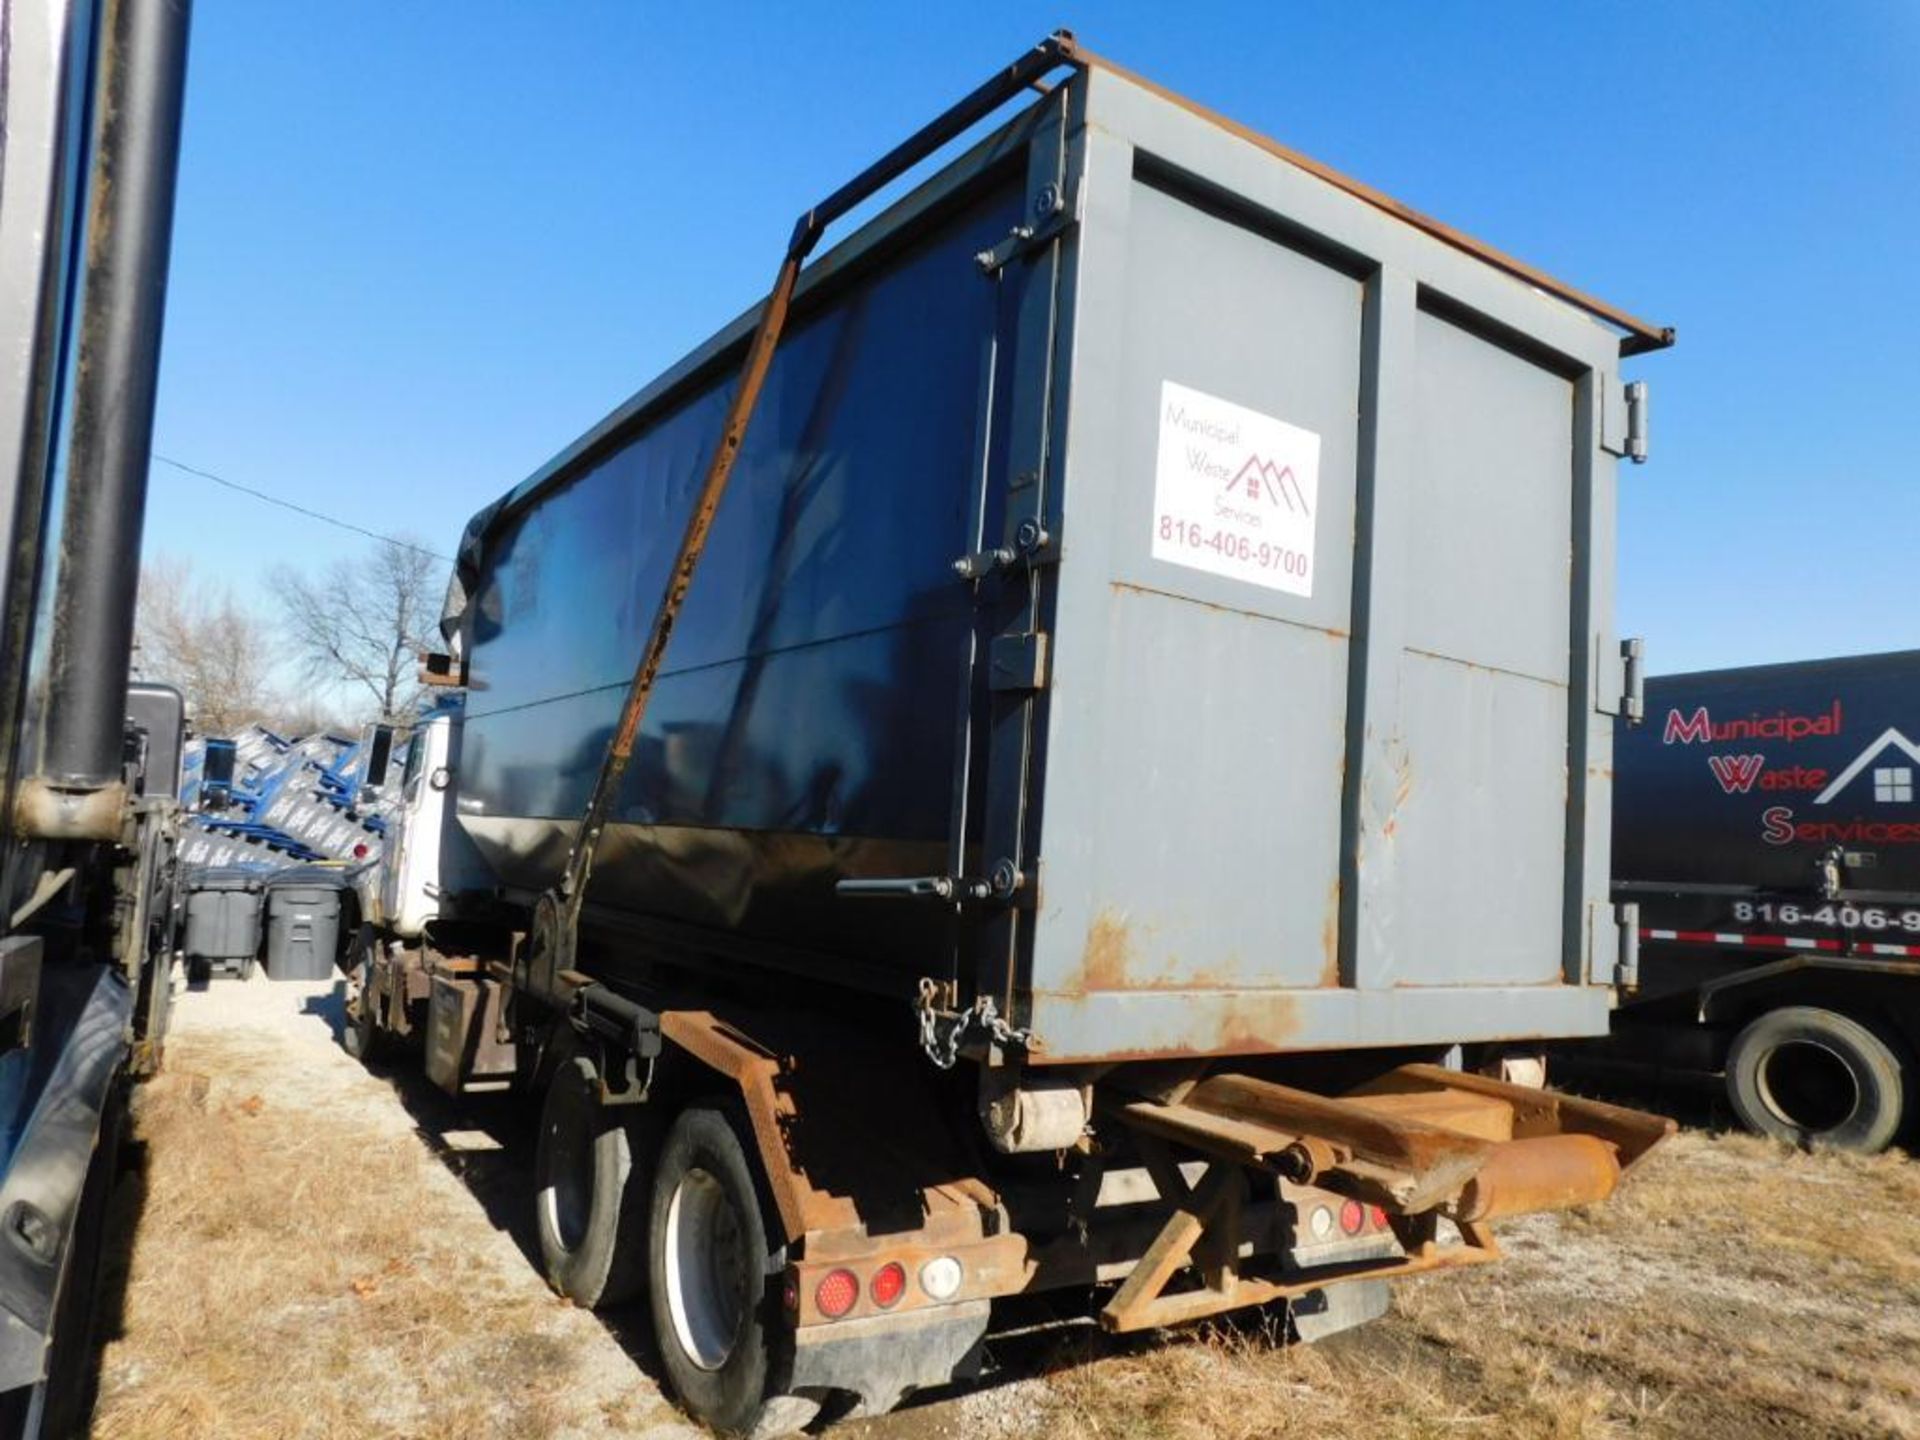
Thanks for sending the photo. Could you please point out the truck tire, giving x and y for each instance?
(363, 1037)
(590, 1200)
(1815, 1077)
(714, 1281)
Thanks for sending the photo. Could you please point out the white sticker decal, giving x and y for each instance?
(1235, 492)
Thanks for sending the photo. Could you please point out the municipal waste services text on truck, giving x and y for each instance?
(1767, 830)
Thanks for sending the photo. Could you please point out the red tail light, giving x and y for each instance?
(1379, 1217)
(889, 1283)
(835, 1294)
(1352, 1216)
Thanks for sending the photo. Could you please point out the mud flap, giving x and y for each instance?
(885, 1358)
(1323, 1313)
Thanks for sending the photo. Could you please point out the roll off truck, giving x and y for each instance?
(1058, 752)
(1768, 837)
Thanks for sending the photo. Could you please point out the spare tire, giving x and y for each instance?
(1815, 1077)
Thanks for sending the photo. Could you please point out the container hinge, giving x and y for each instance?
(1005, 884)
(1050, 217)
(1637, 421)
(1633, 682)
(954, 888)
(945, 1035)
(1626, 970)
(1032, 545)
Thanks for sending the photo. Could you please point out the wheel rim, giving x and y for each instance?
(568, 1198)
(707, 1269)
(1809, 1086)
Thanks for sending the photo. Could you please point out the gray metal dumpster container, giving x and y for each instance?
(1174, 582)
(304, 906)
(222, 925)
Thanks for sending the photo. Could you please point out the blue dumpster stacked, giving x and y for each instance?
(294, 802)
(298, 827)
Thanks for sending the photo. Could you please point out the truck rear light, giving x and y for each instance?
(835, 1294)
(889, 1283)
(1353, 1215)
(1320, 1222)
(941, 1277)
(1378, 1216)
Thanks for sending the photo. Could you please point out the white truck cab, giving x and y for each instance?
(423, 846)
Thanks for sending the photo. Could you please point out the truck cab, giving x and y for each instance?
(409, 883)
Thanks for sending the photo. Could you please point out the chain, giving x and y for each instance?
(981, 1024)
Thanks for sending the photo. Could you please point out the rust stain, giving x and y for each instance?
(1106, 955)
(1257, 1024)
(1110, 960)
(1330, 938)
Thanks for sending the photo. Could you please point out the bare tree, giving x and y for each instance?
(360, 624)
(198, 638)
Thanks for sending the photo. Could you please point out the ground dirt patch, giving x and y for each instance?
(305, 1263)
(325, 1252)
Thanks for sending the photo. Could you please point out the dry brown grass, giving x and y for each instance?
(306, 1267)
(297, 1274)
(1734, 1289)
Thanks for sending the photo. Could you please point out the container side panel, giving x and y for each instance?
(1492, 506)
(810, 694)
(1481, 834)
(1203, 623)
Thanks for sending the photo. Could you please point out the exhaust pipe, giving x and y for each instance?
(77, 789)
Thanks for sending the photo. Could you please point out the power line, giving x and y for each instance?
(298, 509)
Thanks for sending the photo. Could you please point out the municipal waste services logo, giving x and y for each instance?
(1277, 484)
(1235, 491)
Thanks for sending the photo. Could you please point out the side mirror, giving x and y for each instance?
(216, 775)
(379, 743)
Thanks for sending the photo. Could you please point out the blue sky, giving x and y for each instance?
(420, 247)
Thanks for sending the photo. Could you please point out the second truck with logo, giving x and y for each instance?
(1767, 835)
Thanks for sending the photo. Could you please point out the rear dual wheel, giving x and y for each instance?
(714, 1272)
(686, 1222)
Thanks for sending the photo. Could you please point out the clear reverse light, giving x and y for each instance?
(940, 1278)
